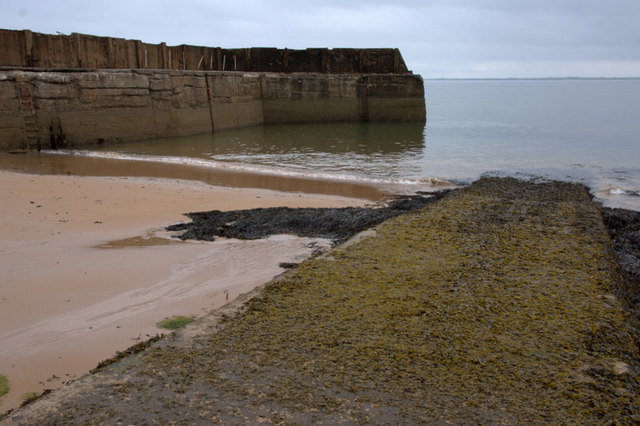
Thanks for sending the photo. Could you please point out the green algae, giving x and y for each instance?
(175, 322)
(4, 385)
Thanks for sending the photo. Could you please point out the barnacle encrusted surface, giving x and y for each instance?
(496, 304)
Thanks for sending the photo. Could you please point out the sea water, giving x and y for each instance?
(582, 130)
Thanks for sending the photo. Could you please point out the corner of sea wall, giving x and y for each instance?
(305, 97)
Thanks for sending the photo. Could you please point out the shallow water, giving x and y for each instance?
(369, 153)
(580, 130)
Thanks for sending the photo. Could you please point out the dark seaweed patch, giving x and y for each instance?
(336, 224)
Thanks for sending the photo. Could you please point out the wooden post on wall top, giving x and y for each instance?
(28, 46)
(325, 61)
(110, 59)
(286, 60)
(163, 51)
(76, 40)
(138, 59)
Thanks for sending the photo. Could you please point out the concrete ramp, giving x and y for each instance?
(499, 303)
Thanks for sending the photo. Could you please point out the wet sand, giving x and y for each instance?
(60, 164)
(88, 269)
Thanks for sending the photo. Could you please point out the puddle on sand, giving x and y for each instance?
(139, 241)
(152, 238)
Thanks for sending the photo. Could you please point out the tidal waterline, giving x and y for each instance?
(84, 163)
(377, 153)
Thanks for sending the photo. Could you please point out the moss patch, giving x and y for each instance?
(175, 323)
(4, 385)
(28, 398)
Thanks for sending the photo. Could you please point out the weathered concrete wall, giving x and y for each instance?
(393, 99)
(302, 98)
(289, 98)
(27, 49)
(109, 106)
(235, 100)
(42, 109)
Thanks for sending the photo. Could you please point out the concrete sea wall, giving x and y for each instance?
(59, 90)
(51, 109)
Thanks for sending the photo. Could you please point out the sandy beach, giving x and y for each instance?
(88, 269)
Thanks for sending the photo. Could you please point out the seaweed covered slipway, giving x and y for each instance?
(502, 302)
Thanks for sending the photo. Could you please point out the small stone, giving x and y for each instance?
(621, 368)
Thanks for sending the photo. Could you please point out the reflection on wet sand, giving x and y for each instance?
(56, 164)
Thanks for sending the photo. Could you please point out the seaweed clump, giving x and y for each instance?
(131, 350)
(624, 228)
(336, 224)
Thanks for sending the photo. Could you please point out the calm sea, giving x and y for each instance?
(580, 130)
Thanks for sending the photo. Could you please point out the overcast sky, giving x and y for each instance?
(437, 38)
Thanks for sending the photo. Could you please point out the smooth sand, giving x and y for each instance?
(87, 269)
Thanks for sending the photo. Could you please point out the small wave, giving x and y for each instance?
(618, 191)
(251, 168)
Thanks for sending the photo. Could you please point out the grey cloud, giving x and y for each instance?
(430, 33)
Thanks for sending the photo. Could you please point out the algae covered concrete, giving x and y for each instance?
(499, 303)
